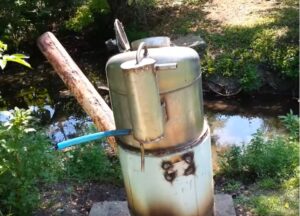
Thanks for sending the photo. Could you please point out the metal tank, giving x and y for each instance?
(166, 161)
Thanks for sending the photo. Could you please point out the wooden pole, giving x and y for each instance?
(85, 93)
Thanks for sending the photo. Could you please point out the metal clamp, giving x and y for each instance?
(139, 50)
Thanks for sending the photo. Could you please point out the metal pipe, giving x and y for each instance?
(91, 137)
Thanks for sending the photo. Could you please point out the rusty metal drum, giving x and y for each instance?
(175, 177)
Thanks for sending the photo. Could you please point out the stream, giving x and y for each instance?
(232, 120)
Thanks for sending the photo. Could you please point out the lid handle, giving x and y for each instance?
(140, 57)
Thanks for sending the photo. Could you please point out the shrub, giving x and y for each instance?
(28, 162)
(23, 21)
(85, 14)
(291, 123)
(275, 158)
(90, 163)
(4, 58)
(25, 164)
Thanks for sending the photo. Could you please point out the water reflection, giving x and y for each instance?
(227, 130)
(69, 128)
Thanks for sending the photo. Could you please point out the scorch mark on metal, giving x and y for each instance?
(181, 165)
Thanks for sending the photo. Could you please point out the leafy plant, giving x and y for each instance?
(292, 123)
(22, 21)
(275, 158)
(85, 14)
(90, 163)
(25, 164)
(18, 58)
(281, 203)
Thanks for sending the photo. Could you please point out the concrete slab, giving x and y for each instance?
(110, 208)
(223, 207)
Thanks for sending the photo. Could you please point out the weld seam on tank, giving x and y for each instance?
(166, 151)
(167, 91)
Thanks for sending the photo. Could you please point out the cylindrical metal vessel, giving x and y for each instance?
(177, 174)
(174, 183)
(143, 99)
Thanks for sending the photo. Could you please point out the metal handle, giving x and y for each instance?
(139, 50)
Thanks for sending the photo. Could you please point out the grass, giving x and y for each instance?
(261, 53)
(263, 201)
(270, 170)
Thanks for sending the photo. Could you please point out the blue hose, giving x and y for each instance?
(91, 137)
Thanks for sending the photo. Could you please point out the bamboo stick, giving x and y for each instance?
(85, 93)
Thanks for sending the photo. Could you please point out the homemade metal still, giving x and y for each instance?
(166, 161)
(156, 92)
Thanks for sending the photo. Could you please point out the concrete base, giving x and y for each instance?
(223, 207)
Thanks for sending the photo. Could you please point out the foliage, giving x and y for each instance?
(85, 14)
(232, 186)
(275, 158)
(24, 20)
(18, 58)
(248, 52)
(291, 122)
(273, 168)
(90, 163)
(284, 203)
(26, 163)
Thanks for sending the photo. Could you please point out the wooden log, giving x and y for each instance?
(85, 93)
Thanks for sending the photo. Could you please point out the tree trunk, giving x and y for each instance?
(85, 93)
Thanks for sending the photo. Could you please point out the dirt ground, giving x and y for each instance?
(238, 12)
(68, 199)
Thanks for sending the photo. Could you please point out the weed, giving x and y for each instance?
(276, 158)
(268, 184)
(232, 186)
(280, 203)
(291, 122)
(90, 163)
(26, 162)
(273, 168)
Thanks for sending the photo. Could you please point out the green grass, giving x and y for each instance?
(255, 54)
(270, 168)
(279, 202)
(248, 52)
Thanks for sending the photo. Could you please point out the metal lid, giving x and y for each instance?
(152, 42)
(122, 40)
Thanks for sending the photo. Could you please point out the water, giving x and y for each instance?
(227, 130)
(233, 120)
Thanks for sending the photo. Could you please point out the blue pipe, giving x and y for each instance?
(91, 137)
